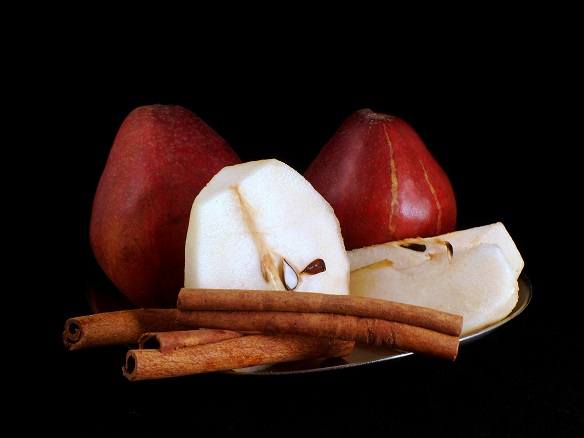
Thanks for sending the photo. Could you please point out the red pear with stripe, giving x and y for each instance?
(382, 181)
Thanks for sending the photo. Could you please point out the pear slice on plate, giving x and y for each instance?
(261, 225)
(477, 282)
(472, 272)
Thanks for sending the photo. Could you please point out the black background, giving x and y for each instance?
(491, 116)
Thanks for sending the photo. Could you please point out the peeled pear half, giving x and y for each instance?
(261, 225)
(473, 273)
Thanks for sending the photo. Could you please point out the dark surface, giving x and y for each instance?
(485, 128)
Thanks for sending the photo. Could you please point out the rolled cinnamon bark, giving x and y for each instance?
(167, 341)
(244, 351)
(370, 331)
(240, 299)
(116, 328)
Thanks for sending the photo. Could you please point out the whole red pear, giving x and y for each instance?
(382, 181)
(161, 158)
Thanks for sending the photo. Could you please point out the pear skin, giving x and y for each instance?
(161, 158)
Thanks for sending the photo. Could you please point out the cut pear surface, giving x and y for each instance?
(477, 282)
(261, 225)
(410, 252)
(495, 233)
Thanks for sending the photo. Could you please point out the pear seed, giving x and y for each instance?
(289, 276)
(418, 247)
(450, 250)
(315, 267)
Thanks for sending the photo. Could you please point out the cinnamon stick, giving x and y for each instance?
(117, 327)
(244, 351)
(239, 299)
(370, 331)
(171, 340)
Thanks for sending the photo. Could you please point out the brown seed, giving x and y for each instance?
(450, 250)
(315, 267)
(418, 247)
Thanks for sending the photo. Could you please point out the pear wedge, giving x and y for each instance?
(477, 282)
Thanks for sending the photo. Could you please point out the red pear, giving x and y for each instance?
(161, 158)
(382, 181)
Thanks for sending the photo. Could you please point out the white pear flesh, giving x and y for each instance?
(495, 233)
(401, 256)
(253, 218)
(478, 282)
